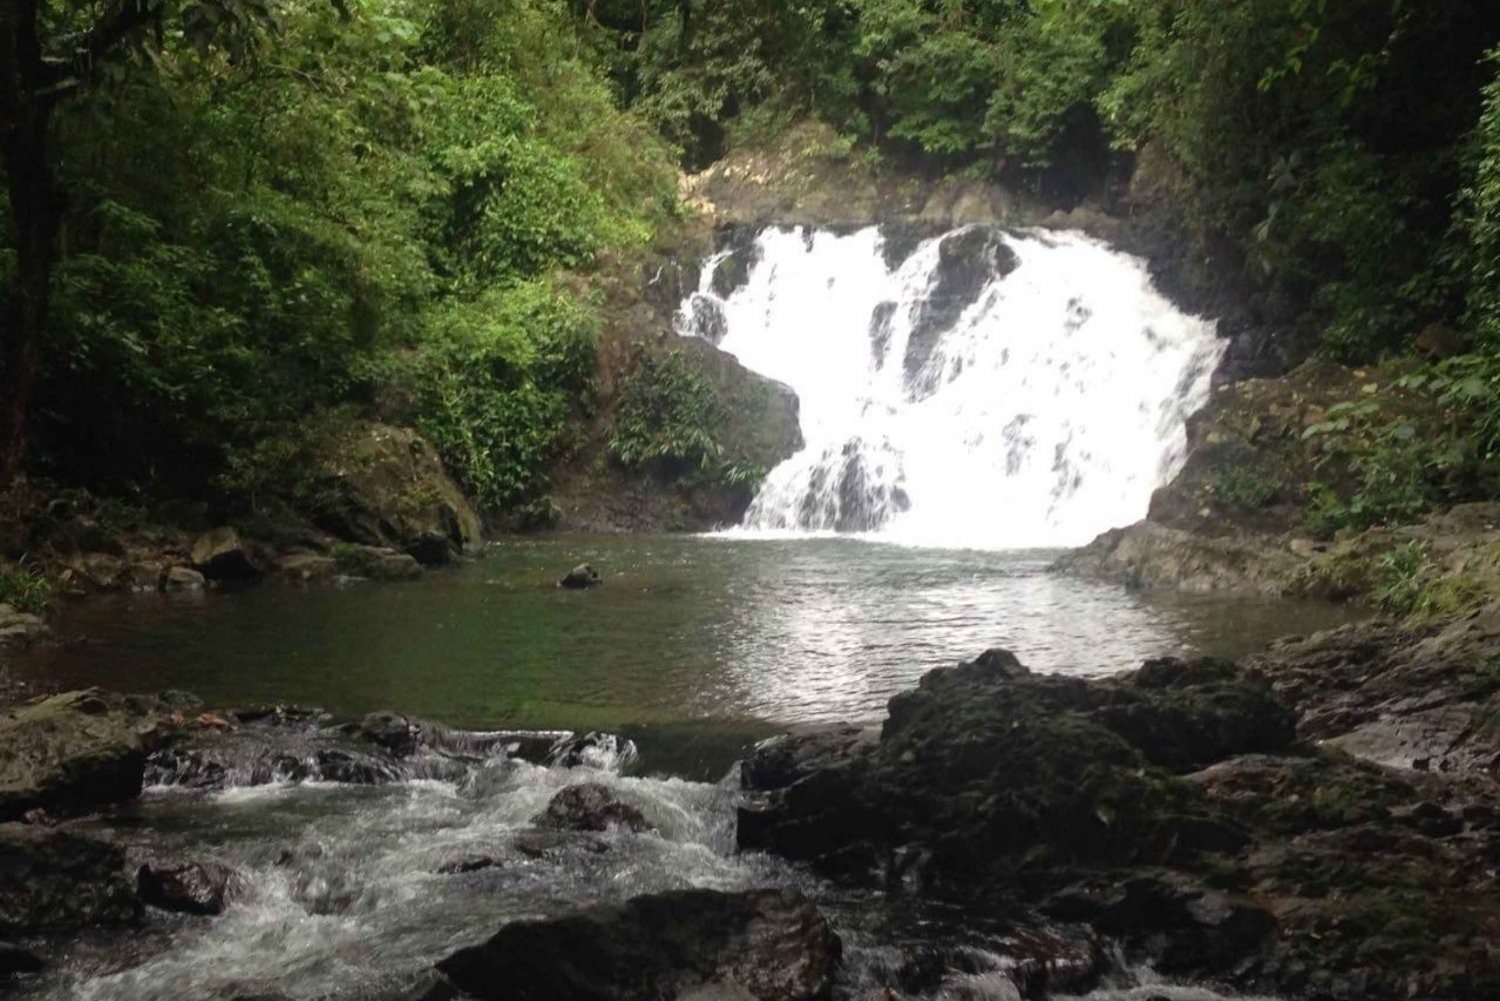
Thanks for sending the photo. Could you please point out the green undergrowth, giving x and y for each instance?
(668, 418)
(26, 590)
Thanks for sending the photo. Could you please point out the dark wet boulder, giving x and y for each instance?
(1191, 713)
(221, 555)
(1171, 810)
(986, 772)
(16, 960)
(69, 753)
(468, 864)
(53, 881)
(581, 578)
(378, 563)
(431, 548)
(385, 487)
(334, 764)
(398, 734)
(186, 887)
(555, 844)
(406, 737)
(741, 248)
(766, 945)
(590, 806)
(1196, 928)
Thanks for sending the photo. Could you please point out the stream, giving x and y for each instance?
(693, 647)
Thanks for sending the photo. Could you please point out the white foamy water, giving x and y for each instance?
(1035, 401)
(340, 893)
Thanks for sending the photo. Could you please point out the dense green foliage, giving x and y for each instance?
(667, 416)
(494, 385)
(1325, 145)
(369, 209)
(1388, 459)
(363, 217)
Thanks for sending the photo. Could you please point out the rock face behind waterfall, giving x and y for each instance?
(968, 260)
(766, 945)
(1170, 809)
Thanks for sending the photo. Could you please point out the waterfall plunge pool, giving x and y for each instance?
(693, 645)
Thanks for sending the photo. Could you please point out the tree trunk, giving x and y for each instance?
(36, 211)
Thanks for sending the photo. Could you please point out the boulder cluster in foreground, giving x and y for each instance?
(1321, 822)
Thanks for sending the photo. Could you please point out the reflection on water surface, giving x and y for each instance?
(685, 629)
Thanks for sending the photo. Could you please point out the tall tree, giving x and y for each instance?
(53, 52)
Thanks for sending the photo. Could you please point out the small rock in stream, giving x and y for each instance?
(188, 887)
(472, 863)
(590, 806)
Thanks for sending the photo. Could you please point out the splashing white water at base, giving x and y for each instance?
(992, 390)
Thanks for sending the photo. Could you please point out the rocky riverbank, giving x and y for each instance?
(1320, 822)
(378, 504)
(1334, 483)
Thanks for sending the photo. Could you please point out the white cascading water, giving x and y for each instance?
(991, 390)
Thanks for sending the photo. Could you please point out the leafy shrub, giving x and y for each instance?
(377, 215)
(1241, 487)
(667, 417)
(494, 385)
(1399, 578)
(1481, 215)
(25, 590)
(1380, 465)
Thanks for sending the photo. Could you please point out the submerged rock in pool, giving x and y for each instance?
(221, 555)
(189, 887)
(590, 806)
(766, 945)
(581, 578)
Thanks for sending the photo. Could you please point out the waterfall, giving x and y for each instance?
(978, 389)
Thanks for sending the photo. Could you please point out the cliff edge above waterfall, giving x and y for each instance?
(807, 176)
